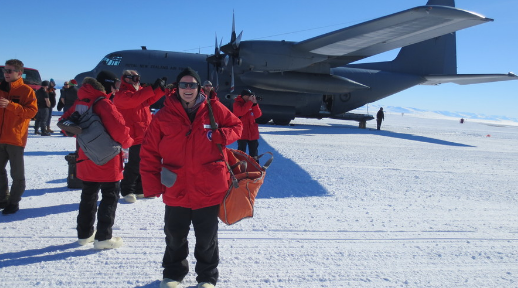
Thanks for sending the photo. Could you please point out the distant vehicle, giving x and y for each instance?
(318, 77)
(30, 77)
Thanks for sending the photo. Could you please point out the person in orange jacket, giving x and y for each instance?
(247, 109)
(133, 102)
(180, 141)
(104, 177)
(18, 106)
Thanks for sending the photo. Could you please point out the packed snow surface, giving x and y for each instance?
(425, 202)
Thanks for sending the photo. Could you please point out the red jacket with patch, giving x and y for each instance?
(247, 113)
(186, 148)
(134, 107)
(113, 123)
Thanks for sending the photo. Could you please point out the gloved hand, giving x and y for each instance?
(4, 86)
(159, 83)
(218, 138)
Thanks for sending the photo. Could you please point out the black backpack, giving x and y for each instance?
(95, 141)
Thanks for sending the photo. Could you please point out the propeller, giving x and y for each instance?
(230, 51)
(218, 60)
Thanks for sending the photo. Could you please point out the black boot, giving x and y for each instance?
(11, 209)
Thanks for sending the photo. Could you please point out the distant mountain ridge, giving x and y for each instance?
(373, 109)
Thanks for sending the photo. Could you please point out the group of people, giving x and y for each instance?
(178, 139)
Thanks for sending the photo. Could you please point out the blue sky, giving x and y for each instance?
(64, 38)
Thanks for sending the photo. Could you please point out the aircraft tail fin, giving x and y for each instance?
(437, 56)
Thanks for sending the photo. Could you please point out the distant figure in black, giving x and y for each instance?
(380, 117)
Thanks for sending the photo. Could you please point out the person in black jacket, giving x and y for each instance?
(43, 109)
(52, 97)
(70, 95)
(380, 116)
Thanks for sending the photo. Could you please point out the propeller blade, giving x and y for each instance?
(217, 82)
(237, 41)
(233, 37)
(216, 47)
(232, 80)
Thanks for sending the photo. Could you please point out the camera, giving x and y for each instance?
(258, 98)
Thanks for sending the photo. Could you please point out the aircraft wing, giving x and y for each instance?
(392, 31)
(465, 79)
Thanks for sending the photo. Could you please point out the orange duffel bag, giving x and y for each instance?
(247, 178)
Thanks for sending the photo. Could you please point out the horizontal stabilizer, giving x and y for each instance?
(465, 79)
(391, 32)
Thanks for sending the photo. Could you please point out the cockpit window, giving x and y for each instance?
(112, 60)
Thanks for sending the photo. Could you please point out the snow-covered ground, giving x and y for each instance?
(422, 203)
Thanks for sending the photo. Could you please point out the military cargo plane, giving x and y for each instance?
(318, 77)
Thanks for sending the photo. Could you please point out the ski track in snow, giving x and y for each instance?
(421, 203)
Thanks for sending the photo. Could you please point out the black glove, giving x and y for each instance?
(159, 83)
(4, 86)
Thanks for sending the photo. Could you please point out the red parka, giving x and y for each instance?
(134, 107)
(114, 124)
(186, 148)
(247, 113)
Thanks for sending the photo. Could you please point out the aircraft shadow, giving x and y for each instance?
(285, 178)
(57, 253)
(348, 129)
(30, 213)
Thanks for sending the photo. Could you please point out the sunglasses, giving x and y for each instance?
(134, 78)
(184, 85)
(8, 71)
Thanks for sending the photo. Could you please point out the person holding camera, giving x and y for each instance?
(247, 109)
(133, 102)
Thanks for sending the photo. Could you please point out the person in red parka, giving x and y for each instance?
(180, 141)
(104, 177)
(133, 103)
(247, 109)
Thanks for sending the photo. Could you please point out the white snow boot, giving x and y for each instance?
(170, 283)
(115, 242)
(85, 241)
(131, 198)
(206, 285)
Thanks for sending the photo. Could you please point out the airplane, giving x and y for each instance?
(317, 77)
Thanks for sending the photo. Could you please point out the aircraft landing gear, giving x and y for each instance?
(363, 124)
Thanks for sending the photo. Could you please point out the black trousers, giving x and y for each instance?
(378, 121)
(131, 183)
(252, 146)
(206, 251)
(41, 119)
(13, 155)
(88, 208)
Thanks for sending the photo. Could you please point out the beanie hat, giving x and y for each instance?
(52, 81)
(72, 82)
(107, 79)
(189, 72)
(246, 92)
(207, 82)
(45, 83)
